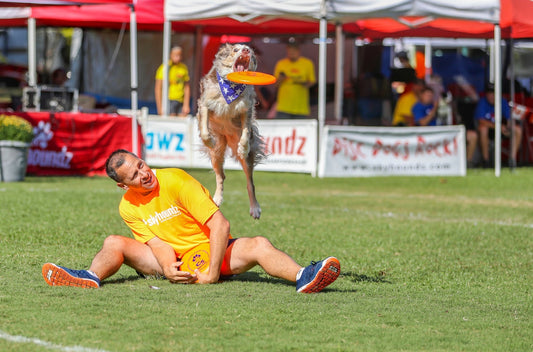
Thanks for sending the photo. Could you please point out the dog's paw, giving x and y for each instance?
(255, 212)
(243, 150)
(217, 198)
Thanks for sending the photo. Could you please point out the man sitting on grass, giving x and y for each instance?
(170, 213)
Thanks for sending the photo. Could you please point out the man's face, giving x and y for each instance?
(136, 175)
(427, 97)
(490, 97)
(293, 53)
(175, 56)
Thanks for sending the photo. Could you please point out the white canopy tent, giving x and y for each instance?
(337, 11)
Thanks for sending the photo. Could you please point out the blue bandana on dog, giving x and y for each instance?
(230, 91)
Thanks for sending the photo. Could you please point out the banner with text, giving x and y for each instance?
(168, 142)
(71, 143)
(383, 151)
(291, 145)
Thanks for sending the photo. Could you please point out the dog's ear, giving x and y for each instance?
(223, 51)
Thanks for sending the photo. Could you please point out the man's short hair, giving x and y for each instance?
(116, 160)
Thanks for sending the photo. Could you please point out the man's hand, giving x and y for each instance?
(185, 110)
(174, 275)
(205, 278)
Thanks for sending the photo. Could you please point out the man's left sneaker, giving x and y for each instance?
(315, 277)
(55, 275)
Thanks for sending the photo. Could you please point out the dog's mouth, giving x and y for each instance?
(242, 63)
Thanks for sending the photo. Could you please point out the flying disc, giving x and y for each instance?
(196, 258)
(251, 77)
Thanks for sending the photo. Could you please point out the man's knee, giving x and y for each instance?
(255, 245)
(261, 242)
(114, 242)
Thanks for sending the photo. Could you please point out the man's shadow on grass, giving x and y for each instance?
(121, 280)
(252, 276)
(355, 277)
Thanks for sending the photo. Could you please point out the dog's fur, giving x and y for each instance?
(231, 125)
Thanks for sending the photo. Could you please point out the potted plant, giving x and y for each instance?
(16, 135)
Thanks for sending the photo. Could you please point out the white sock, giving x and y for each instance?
(299, 274)
(93, 274)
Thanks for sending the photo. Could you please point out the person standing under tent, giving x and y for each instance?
(295, 74)
(179, 90)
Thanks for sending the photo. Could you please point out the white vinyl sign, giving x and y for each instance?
(383, 151)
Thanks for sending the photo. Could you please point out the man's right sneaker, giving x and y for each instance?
(55, 275)
(315, 277)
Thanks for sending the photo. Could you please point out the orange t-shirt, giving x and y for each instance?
(175, 212)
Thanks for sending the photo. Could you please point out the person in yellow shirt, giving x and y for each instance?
(170, 213)
(403, 115)
(179, 89)
(294, 76)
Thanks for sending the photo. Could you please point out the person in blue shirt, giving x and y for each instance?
(425, 110)
(484, 115)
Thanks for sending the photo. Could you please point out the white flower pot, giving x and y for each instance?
(13, 160)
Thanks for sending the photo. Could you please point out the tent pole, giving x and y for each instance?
(339, 71)
(32, 53)
(512, 90)
(427, 60)
(322, 57)
(197, 69)
(166, 55)
(133, 80)
(497, 100)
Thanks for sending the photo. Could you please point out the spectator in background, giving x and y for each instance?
(403, 58)
(486, 123)
(295, 75)
(179, 90)
(425, 110)
(403, 115)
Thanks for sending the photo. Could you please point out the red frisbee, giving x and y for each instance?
(251, 77)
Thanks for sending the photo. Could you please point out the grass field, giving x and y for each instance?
(428, 264)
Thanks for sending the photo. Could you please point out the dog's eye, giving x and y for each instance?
(235, 50)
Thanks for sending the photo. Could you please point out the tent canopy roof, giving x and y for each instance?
(335, 10)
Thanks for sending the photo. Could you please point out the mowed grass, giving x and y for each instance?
(428, 264)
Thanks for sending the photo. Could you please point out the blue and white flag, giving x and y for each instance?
(230, 90)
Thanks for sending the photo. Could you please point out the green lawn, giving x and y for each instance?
(428, 264)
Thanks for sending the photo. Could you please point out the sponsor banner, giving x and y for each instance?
(75, 143)
(291, 145)
(384, 151)
(167, 142)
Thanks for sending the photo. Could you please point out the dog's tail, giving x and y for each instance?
(257, 145)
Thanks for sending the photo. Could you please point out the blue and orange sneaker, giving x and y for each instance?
(315, 277)
(55, 275)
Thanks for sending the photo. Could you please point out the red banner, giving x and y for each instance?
(75, 143)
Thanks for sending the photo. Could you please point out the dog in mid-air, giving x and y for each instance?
(226, 118)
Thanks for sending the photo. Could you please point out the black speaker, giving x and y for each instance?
(46, 98)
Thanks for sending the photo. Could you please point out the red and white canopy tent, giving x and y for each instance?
(515, 22)
(60, 9)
